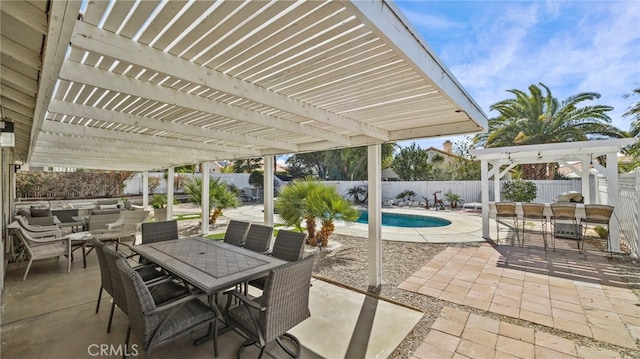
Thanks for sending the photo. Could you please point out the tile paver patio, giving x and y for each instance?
(562, 289)
(459, 334)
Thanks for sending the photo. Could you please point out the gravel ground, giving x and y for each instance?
(344, 262)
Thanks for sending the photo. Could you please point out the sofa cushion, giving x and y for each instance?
(41, 212)
(108, 206)
(106, 211)
(102, 202)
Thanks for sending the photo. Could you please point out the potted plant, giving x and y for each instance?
(159, 203)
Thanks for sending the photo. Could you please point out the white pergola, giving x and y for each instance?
(148, 85)
(498, 161)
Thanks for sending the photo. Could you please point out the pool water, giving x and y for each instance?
(406, 220)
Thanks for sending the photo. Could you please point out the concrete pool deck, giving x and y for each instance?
(466, 226)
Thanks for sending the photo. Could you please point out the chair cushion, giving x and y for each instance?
(41, 212)
(240, 316)
(49, 250)
(189, 315)
(167, 291)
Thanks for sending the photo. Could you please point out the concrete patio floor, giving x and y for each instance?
(52, 315)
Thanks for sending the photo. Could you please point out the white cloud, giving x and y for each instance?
(429, 22)
(569, 46)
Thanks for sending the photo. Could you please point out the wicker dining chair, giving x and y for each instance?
(236, 232)
(283, 304)
(153, 232)
(157, 325)
(564, 214)
(258, 238)
(535, 212)
(162, 288)
(598, 214)
(507, 210)
(106, 284)
(288, 246)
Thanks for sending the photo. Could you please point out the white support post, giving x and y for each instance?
(205, 197)
(635, 228)
(484, 183)
(612, 199)
(145, 190)
(4, 215)
(374, 175)
(170, 185)
(584, 174)
(267, 196)
(496, 182)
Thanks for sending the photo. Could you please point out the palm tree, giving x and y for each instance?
(326, 203)
(634, 130)
(220, 196)
(360, 193)
(291, 203)
(538, 118)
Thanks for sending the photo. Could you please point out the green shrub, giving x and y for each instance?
(602, 232)
(519, 191)
(408, 194)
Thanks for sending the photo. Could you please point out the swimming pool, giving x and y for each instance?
(406, 220)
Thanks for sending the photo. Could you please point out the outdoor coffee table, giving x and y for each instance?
(78, 221)
(113, 235)
(79, 240)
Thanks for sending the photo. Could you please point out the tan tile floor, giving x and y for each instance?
(460, 334)
(561, 289)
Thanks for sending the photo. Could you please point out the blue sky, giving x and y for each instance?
(570, 46)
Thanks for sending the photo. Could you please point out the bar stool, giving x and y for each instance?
(598, 214)
(507, 210)
(564, 214)
(535, 211)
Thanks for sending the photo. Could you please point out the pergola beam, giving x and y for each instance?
(93, 39)
(176, 144)
(123, 118)
(79, 73)
(62, 19)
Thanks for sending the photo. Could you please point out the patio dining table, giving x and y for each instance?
(208, 265)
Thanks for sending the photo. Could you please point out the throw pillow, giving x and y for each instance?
(40, 212)
(24, 212)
